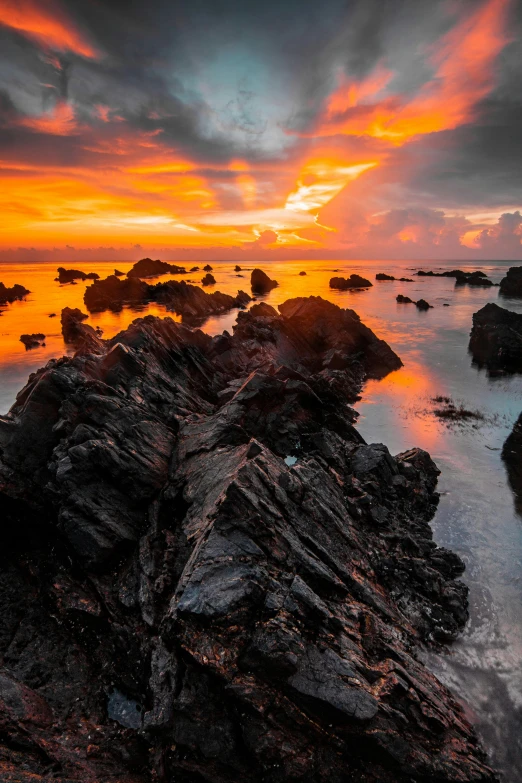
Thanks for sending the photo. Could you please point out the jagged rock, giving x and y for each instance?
(208, 279)
(261, 283)
(181, 604)
(187, 300)
(384, 276)
(511, 284)
(496, 339)
(194, 269)
(146, 267)
(207, 268)
(457, 273)
(76, 333)
(512, 456)
(10, 295)
(237, 268)
(32, 340)
(404, 299)
(422, 304)
(354, 281)
(70, 275)
(118, 273)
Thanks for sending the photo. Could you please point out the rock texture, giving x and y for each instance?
(459, 274)
(261, 283)
(10, 295)
(496, 339)
(32, 340)
(207, 575)
(189, 301)
(208, 279)
(354, 281)
(421, 304)
(383, 276)
(512, 456)
(146, 267)
(511, 284)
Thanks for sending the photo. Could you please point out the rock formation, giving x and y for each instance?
(70, 275)
(354, 281)
(118, 273)
(496, 339)
(207, 268)
(10, 295)
(237, 268)
(208, 279)
(421, 304)
(260, 283)
(149, 268)
(383, 276)
(512, 456)
(187, 300)
(207, 575)
(511, 284)
(32, 340)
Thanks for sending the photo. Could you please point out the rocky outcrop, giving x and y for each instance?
(146, 267)
(76, 333)
(207, 268)
(12, 294)
(207, 575)
(260, 283)
(70, 275)
(354, 281)
(302, 274)
(383, 276)
(421, 304)
(118, 273)
(208, 279)
(237, 268)
(457, 273)
(512, 457)
(496, 339)
(189, 301)
(511, 284)
(32, 340)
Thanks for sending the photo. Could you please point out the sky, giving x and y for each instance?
(243, 129)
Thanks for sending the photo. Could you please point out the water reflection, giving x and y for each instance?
(476, 515)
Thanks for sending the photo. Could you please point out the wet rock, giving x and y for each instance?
(421, 304)
(457, 273)
(354, 281)
(208, 279)
(77, 333)
(207, 268)
(512, 457)
(149, 268)
(404, 299)
(384, 276)
(237, 268)
(118, 273)
(189, 301)
(302, 274)
(182, 602)
(511, 284)
(496, 339)
(32, 340)
(10, 295)
(194, 269)
(70, 275)
(261, 283)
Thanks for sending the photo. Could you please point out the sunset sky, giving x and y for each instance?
(274, 129)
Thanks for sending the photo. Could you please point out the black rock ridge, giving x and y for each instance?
(208, 575)
(496, 339)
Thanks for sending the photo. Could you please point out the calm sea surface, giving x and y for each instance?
(476, 515)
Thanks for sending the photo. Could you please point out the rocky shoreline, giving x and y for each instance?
(208, 575)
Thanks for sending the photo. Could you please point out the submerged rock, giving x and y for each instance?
(383, 276)
(12, 294)
(511, 284)
(183, 602)
(496, 339)
(354, 281)
(261, 283)
(421, 304)
(149, 268)
(70, 275)
(208, 279)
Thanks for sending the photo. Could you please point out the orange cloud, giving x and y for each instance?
(463, 62)
(60, 121)
(46, 24)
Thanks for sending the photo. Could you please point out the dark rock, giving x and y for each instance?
(32, 340)
(179, 603)
(404, 299)
(302, 274)
(496, 339)
(512, 456)
(77, 333)
(70, 275)
(384, 276)
(118, 273)
(189, 301)
(261, 283)
(457, 273)
(354, 281)
(10, 295)
(208, 279)
(422, 304)
(149, 268)
(237, 268)
(194, 269)
(52, 315)
(511, 284)
(207, 268)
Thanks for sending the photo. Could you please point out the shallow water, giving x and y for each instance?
(476, 515)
